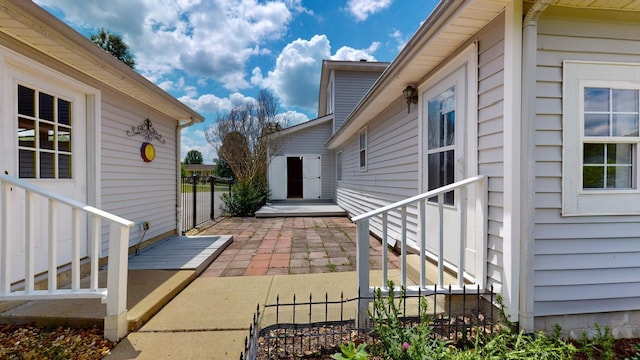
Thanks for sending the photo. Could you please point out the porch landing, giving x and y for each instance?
(300, 208)
(155, 277)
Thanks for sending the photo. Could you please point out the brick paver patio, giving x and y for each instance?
(290, 245)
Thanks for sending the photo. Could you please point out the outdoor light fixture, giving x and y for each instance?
(410, 94)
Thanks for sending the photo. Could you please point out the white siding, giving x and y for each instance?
(582, 264)
(131, 188)
(392, 166)
(350, 87)
(311, 141)
(490, 140)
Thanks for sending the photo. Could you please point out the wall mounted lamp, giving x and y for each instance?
(410, 94)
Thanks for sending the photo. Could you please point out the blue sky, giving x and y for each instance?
(212, 54)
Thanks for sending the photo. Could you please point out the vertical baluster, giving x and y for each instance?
(403, 252)
(385, 254)
(95, 250)
(362, 265)
(75, 249)
(29, 261)
(5, 235)
(422, 231)
(53, 245)
(441, 240)
(463, 233)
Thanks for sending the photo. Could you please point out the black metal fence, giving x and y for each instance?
(200, 201)
(300, 328)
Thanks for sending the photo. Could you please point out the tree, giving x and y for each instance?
(193, 157)
(243, 138)
(222, 169)
(114, 44)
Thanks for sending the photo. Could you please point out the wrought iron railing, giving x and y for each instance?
(200, 200)
(114, 295)
(295, 329)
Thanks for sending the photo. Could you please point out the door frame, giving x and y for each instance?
(464, 64)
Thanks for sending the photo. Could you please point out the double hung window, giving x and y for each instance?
(601, 138)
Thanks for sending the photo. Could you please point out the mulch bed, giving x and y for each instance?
(31, 342)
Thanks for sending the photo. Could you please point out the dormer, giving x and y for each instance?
(343, 84)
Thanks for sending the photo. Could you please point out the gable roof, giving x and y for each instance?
(447, 28)
(31, 25)
(307, 124)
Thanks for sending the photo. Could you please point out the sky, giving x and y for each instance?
(214, 54)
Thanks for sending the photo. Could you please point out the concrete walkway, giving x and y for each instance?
(210, 318)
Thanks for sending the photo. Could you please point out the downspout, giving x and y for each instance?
(179, 128)
(527, 248)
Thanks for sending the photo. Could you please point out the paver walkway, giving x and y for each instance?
(293, 245)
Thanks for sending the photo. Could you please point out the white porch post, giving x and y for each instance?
(115, 324)
(362, 268)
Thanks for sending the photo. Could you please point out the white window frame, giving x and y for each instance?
(363, 149)
(577, 201)
(339, 165)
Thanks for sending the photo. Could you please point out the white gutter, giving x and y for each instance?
(179, 128)
(529, 69)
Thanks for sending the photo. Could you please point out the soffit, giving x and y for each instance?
(36, 28)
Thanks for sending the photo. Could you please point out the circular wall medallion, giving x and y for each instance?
(148, 152)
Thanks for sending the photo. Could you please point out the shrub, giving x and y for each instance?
(245, 198)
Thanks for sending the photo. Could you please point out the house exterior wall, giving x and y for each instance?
(349, 88)
(311, 141)
(491, 140)
(583, 264)
(392, 167)
(393, 145)
(131, 188)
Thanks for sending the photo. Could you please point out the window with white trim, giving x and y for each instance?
(44, 135)
(601, 139)
(363, 148)
(339, 166)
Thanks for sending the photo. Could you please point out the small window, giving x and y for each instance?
(339, 166)
(601, 139)
(441, 141)
(44, 135)
(363, 149)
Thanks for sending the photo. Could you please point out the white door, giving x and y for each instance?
(278, 177)
(45, 141)
(444, 119)
(311, 177)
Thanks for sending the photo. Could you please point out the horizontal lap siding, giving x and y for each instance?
(490, 140)
(311, 141)
(131, 188)
(350, 87)
(392, 169)
(582, 264)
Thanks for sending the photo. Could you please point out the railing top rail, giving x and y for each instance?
(418, 197)
(63, 200)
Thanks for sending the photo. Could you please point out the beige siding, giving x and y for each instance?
(131, 188)
(582, 264)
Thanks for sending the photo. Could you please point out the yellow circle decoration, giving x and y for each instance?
(148, 152)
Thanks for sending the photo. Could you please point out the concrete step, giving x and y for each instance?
(413, 271)
(159, 275)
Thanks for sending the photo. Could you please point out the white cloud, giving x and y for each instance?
(296, 76)
(400, 40)
(361, 9)
(206, 39)
(291, 118)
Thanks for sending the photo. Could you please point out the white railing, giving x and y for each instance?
(115, 295)
(476, 278)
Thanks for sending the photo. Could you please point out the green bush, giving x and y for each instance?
(245, 198)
